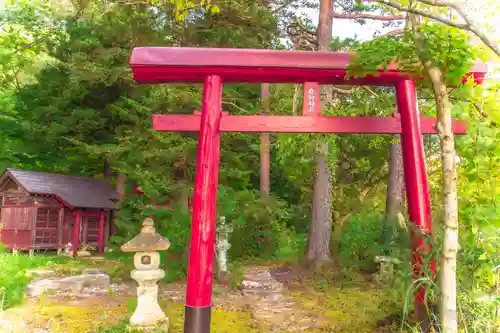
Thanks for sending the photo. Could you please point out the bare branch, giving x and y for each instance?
(476, 29)
(469, 25)
(354, 16)
(437, 3)
(395, 32)
(389, 3)
(370, 91)
(342, 91)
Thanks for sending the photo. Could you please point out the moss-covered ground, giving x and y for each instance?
(333, 306)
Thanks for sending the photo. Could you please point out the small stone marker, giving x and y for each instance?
(386, 271)
(223, 245)
(148, 315)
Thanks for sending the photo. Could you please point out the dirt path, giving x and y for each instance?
(269, 305)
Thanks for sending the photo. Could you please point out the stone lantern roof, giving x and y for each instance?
(148, 240)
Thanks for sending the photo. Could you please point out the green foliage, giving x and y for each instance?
(291, 245)
(360, 239)
(478, 316)
(69, 103)
(182, 7)
(379, 53)
(257, 222)
(479, 197)
(447, 48)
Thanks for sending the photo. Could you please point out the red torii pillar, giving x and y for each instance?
(213, 66)
(417, 188)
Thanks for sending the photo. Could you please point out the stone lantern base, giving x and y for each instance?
(148, 315)
(163, 327)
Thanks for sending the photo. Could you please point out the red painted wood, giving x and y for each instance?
(298, 124)
(60, 225)
(224, 57)
(100, 243)
(76, 232)
(163, 74)
(25, 206)
(417, 189)
(312, 100)
(199, 281)
(138, 190)
(63, 202)
(17, 239)
(57, 198)
(86, 214)
(198, 113)
(170, 64)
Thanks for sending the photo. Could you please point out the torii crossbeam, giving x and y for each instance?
(156, 65)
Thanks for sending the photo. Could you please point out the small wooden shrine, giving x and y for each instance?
(47, 211)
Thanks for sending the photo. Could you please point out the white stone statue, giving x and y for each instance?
(223, 245)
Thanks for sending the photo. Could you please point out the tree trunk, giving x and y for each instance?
(265, 142)
(448, 282)
(107, 171)
(120, 185)
(120, 188)
(395, 187)
(318, 243)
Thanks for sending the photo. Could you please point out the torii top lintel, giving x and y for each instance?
(182, 64)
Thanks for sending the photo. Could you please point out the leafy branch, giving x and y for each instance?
(468, 25)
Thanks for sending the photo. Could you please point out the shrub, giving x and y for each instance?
(360, 239)
(257, 222)
(291, 245)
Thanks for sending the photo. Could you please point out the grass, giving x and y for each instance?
(118, 265)
(111, 315)
(13, 276)
(222, 321)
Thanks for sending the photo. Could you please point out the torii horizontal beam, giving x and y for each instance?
(298, 124)
(184, 64)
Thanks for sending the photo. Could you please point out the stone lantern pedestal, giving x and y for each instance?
(148, 315)
(385, 274)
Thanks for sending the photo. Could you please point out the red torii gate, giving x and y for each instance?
(154, 65)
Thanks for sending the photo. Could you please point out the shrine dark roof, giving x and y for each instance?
(78, 192)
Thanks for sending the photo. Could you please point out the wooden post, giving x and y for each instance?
(34, 209)
(312, 101)
(60, 224)
(199, 281)
(76, 232)
(417, 190)
(101, 233)
(84, 228)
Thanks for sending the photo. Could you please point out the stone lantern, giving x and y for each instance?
(223, 245)
(386, 269)
(148, 315)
